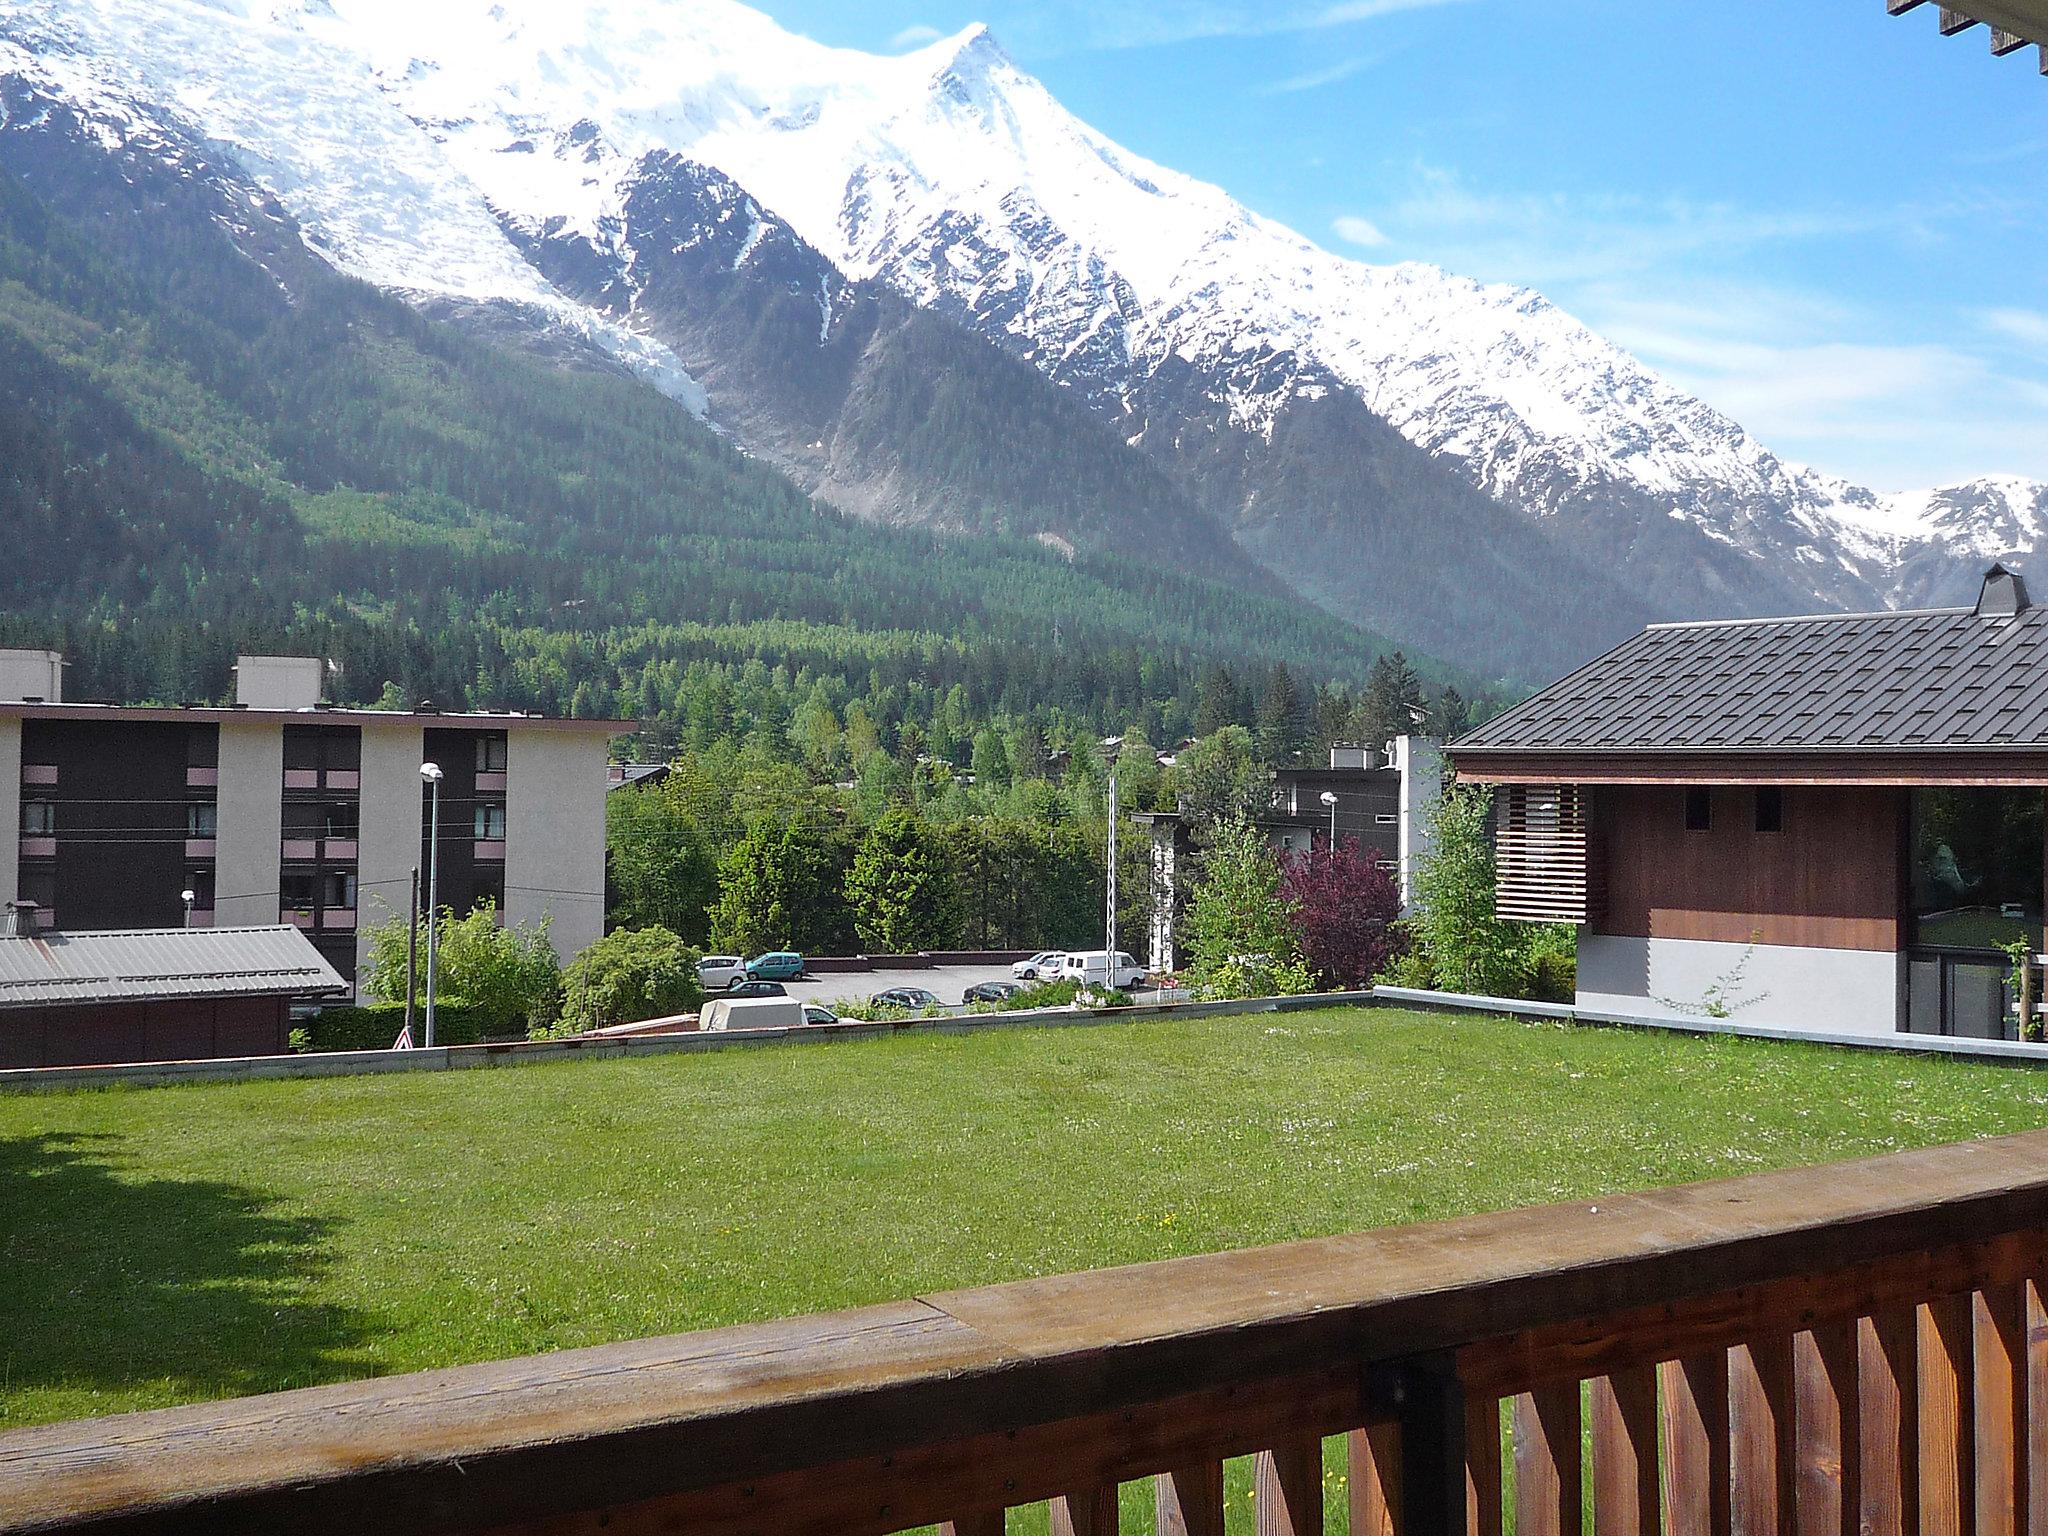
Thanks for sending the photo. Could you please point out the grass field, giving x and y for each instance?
(172, 1244)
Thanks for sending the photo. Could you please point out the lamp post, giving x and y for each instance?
(188, 897)
(431, 772)
(1329, 798)
(1109, 960)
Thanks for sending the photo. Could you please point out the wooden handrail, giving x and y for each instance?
(952, 1407)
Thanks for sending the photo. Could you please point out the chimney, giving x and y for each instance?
(2004, 595)
(1346, 754)
(280, 682)
(20, 920)
(31, 677)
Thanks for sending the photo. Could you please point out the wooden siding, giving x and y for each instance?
(179, 1029)
(1547, 872)
(1830, 879)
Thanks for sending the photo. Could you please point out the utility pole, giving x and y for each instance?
(412, 952)
(1109, 962)
(431, 772)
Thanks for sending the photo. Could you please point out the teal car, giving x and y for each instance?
(776, 965)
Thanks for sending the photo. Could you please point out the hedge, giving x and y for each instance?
(373, 1026)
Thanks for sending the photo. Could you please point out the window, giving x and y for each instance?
(1385, 819)
(1976, 867)
(298, 891)
(202, 819)
(338, 890)
(490, 754)
(39, 818)
(1770, 809)
(1699, 808)
(199, 881)
(490, 823)
(341, 819)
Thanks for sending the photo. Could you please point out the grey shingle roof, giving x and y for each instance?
(1939, 679)
(154, 964)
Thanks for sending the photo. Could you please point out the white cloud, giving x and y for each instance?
(1316, 79)
(1356, 231)
(2028, 327)
(1150, 23)
(914, 37)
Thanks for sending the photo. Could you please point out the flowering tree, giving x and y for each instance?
(1344, 906)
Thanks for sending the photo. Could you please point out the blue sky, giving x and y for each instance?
(1830, 223)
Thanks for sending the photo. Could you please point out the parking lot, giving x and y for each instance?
(947, 981)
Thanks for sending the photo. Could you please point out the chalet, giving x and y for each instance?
(1831, 823)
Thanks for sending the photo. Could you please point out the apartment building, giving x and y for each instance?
(285, 809)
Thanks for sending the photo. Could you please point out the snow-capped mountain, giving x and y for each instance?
(516, 153)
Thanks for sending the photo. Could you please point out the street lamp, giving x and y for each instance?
(1329, 798)
(431, 772)
(188, 897)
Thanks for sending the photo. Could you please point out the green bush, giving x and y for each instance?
(632, 974)
(509, 974)
(373, 1026)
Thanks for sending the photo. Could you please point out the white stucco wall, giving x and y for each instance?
(554, 834)
(389, 845)
(1421, 761)
(248, 850)
(10, 811)
(1840, 991)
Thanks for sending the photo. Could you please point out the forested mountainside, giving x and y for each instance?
(212, 442)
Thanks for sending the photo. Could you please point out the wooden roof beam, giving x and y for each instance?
(2004, 42)
(1954, 21)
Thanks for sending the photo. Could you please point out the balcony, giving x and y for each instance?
(199, 847)
(1856, 1347)
(38, 847)
(301, 850)
(302, 778)
(490, 783)
(298, 917)
(39, 775)
(202, 778)
(199, 917)
(337, 920)
(338, 850)
(488, 850)
(349, 779)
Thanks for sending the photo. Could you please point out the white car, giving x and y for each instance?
(1099, 968)
(717, 972)
(1042, 966)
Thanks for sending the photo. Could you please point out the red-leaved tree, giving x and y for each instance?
(1345, 906)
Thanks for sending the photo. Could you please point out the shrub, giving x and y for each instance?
(632, 974)
(1345, 907)
(510, 975)
(901, 886)
(373, 1026)
(1241, 936)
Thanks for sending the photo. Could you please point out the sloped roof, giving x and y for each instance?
(147, 965)
(1919, 681)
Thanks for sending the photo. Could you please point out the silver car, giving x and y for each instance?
(715, 973)
(1042, 966)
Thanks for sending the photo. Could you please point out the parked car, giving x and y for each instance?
(717, 972)
(818, 1013)
(1099, 968)
(755, 988)
(990, 992)
(1043, 966)
(916, 999)
(777, 965)
(723, 1013)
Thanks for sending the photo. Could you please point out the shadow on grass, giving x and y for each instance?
(154, 1289)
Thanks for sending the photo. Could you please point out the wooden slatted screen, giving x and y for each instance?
(1543, 854)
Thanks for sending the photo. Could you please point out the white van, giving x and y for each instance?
(1099, 968)
(752, 1013)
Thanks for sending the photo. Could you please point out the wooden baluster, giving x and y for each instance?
(1093, 1513)
(1482, 1468)
(1625, 1491)
(2036, 1521)
(1948, 1483)
(1548, 1433)
(989, 1523)
(1287, 1488)
(1190, 1500)
(1826, 1374)
(1763, 1457)
(1373, 1461)
(1888, 1360)
(1696, 1472)
(1999, 1330)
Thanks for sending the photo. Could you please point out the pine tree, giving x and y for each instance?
(1282, 726)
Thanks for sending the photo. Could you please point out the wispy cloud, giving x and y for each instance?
(914, 37)
(1117, 24)
(2028, 327)
(1316, 79)
(1354, 230)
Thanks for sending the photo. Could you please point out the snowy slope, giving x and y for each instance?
(422, 145)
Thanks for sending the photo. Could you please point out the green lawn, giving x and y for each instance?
(172, 1244)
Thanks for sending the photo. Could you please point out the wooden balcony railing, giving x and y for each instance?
(1855, 1348)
